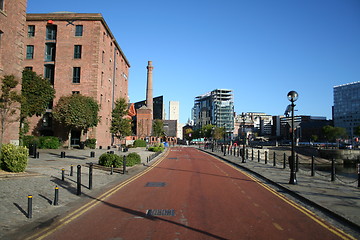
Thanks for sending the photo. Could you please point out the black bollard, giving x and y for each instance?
(266, 155)
(224, 150)
(332, 170)
(284, 164)
(274, 163)
(358, 166)
(37, 155)
(312, 166)
(112, 170)
(56, 199)
(78, 192)
(29, 215)
(90, 175)
(252, 154)
(124, 165)
(62, 155)
(62, 174)
(297, 162)
(71, 170)
(258, 155)
(92, 154)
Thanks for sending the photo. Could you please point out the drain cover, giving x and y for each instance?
(160, 212)
(172, 158)
(155, 184)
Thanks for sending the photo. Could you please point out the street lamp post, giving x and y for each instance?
(244, 138)
(292, 96)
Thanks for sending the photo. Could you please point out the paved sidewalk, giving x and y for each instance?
(43, 174)
(339, 199)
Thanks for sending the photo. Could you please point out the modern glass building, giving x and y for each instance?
(216, 108)
(347, 107)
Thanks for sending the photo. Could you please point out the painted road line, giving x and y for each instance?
(77, 213)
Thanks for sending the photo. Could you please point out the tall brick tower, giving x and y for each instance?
(149, 89)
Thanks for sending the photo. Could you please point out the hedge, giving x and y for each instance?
(132, 159)
(139, 143)
(108, 160)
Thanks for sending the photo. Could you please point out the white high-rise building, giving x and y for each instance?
(174, 110)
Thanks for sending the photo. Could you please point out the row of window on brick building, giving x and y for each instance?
(50, 52)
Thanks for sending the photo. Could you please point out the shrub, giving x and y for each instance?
(30, 140)
(156, 149)
(90, 143)
(49, 142)
(108, 160)
(139, 143)
(133, 159)
(14, 158)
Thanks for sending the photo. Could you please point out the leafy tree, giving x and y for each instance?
(120, 126)
(332, 133)
(37, 92)
(219, 133)
(9, 104)
(76, 112)
(314, 137)
(207, 131)
(158, 128)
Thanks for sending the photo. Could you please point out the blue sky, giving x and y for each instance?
(261, 49)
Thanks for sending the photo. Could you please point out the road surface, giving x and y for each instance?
(188, 194)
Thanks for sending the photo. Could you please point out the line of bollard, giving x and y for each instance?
(56, 198)
(62, 174)
(90, 175)
(78, 192)
(124, 164)
(29, 213)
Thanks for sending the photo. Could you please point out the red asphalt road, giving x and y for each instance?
(210, 199)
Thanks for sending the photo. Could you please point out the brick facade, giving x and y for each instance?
(12, 32)
(103, 67)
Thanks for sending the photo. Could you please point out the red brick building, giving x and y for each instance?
(12, 31)
(78, 54)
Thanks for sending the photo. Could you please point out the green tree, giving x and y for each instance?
(219, 133)
(208, 131)
(76, 112)
(158, 128)
(120, 126)
(9, 104)
(37, 92)
(332, 133)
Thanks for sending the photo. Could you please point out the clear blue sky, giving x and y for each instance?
(261, 49)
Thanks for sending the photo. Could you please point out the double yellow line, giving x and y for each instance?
(77, 213)
(302, 209)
